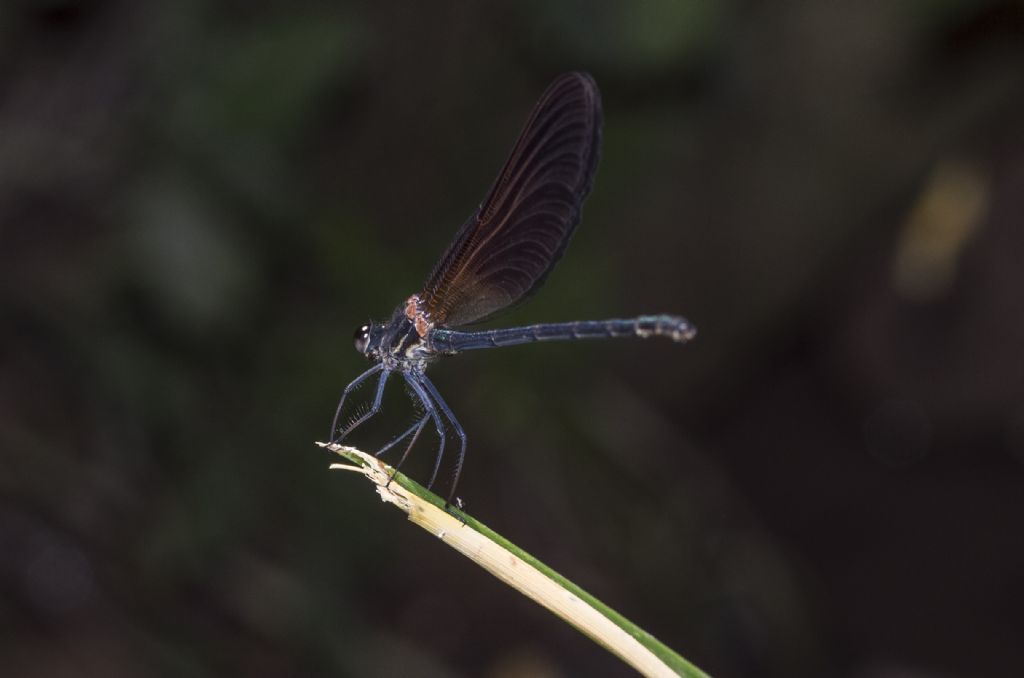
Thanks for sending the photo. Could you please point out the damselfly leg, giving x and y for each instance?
(374, 409)
(334, 436)
(416, 429)
(431, 410)
(458, 431)
(399, 438)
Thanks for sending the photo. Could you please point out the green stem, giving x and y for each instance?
(519, 569)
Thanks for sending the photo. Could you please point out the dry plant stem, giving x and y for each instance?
(519, 570)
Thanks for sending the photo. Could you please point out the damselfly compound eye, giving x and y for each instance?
(362, 338)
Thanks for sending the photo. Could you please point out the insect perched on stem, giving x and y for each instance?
(499, 257)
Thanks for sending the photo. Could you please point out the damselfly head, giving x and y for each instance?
(362, 339)
(367, 340)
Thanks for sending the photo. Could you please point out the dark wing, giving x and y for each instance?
(508, 247)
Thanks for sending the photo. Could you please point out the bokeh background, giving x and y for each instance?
(200, 202)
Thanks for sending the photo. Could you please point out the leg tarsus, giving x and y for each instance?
(451, 510)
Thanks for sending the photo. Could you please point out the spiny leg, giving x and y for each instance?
(333, 436)
(374, 409)
(431, 410)
(399, 438)
(408, 449)
(455, 425)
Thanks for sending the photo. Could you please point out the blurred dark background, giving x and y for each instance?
(200, 202)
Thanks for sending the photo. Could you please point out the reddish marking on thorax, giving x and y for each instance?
(415, 312)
